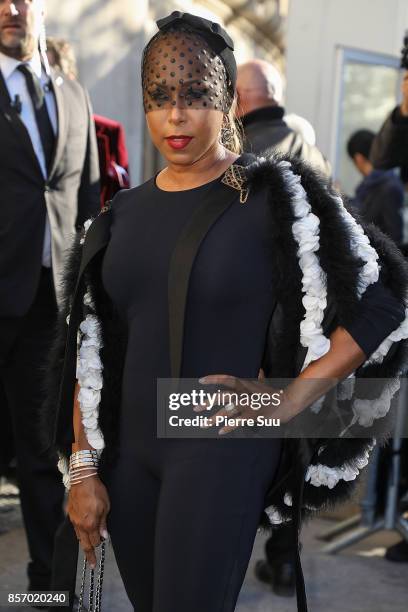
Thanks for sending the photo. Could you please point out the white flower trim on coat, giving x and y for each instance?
(345, 388)
(317, 405)
(305, 230)
(88, 300)
(323, 475)
(287, 500)
(89, 372)
(369, 275)
(401, 333)
(366, 410)
(87, 224)
(274, 516)
(360, 243)
(89, 376)
(63, 466)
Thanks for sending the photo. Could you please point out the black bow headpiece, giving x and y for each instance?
(218, 39)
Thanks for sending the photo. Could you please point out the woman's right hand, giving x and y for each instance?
(88, 506)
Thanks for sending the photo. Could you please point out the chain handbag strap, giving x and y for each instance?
(95, 595)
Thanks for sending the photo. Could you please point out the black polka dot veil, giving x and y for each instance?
(179, 68)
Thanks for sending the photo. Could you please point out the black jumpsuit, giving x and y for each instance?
(184, 512)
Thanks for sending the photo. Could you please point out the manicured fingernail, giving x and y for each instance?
(222, 431)
(229, 406)
(202, 380)
(92, 565)
(105, 534)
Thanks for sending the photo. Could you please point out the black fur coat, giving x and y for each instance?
(284, 354)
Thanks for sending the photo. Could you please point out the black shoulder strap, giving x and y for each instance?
(215, 203)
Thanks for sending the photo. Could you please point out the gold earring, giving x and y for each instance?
(226, 132)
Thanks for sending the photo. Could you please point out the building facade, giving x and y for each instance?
(342, 69)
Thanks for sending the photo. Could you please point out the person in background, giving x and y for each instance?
(302, 126)
(379, 198)
(113, 157)
(260, 96)
(110, 134)
(62, 57)
(49, 183)
(390, 145)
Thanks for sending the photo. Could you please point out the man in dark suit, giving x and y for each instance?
(49, 185)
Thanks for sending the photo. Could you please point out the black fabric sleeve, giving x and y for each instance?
(391, 211)
(379, 314)
(389, 148)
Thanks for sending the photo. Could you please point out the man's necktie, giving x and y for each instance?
(41, 113)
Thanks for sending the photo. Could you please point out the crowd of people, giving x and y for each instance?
(59, 164)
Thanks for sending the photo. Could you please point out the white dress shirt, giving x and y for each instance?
(16, 85)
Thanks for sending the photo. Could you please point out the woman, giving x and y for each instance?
(186, 276)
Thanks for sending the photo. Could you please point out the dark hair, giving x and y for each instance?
(360, 142)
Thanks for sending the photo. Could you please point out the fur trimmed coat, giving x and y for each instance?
(324, 261)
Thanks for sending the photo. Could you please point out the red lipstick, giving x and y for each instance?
(178, 142)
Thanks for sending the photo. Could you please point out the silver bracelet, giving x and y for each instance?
(84, 453)
(83, 463)
(84, 456)
(81, 469)
(79, 465)
(79, 479)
